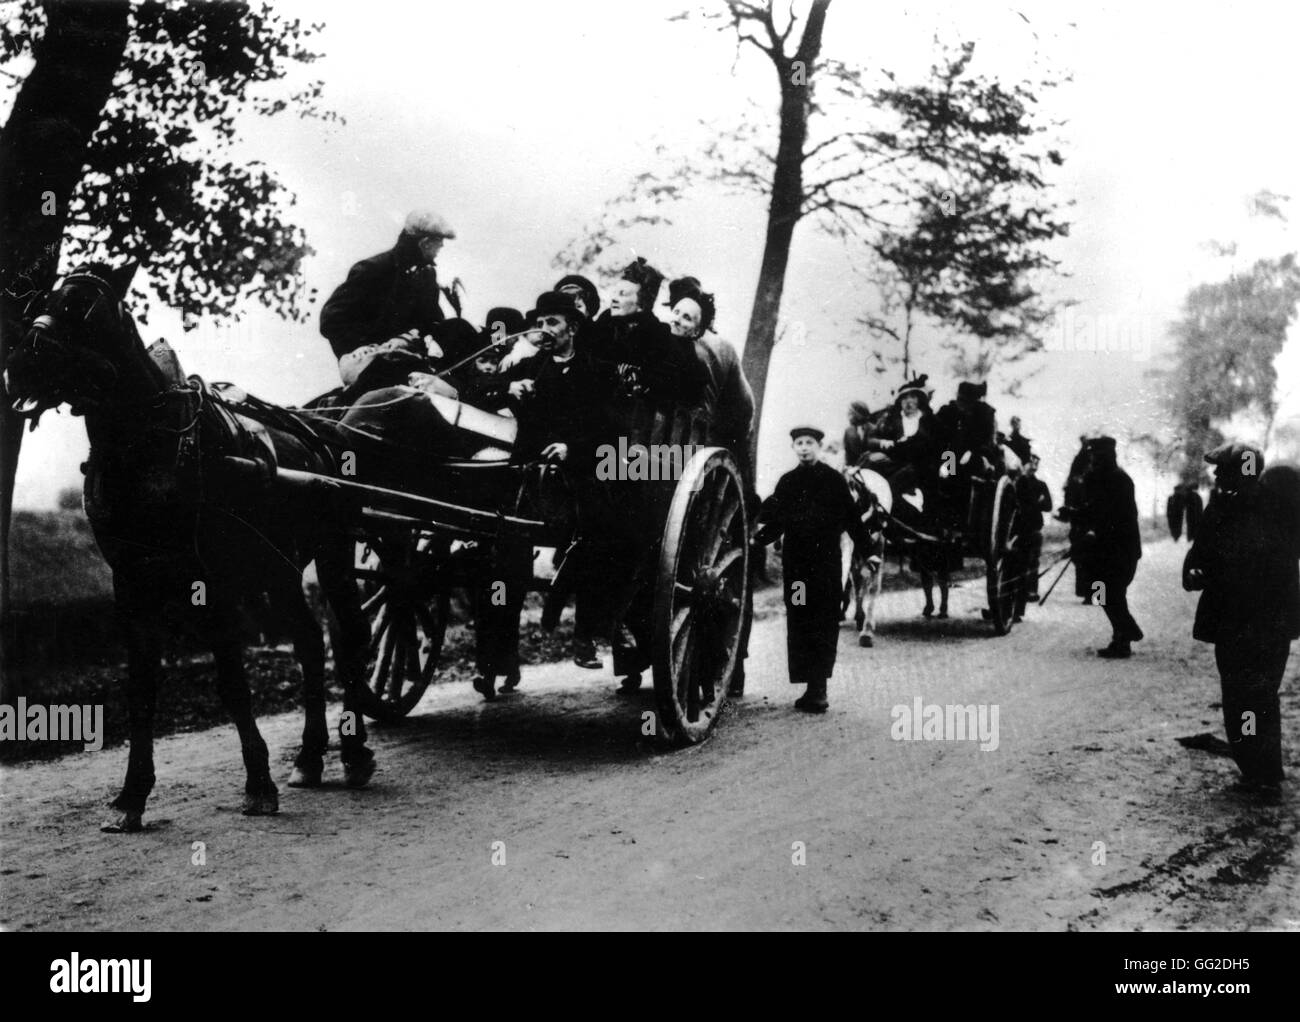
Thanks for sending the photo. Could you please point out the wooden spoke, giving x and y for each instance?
(374, 598)
(702, 584)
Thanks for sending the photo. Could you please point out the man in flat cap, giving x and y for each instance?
(809, 511)
(1111, 542)
(394, 294)
(1244, 563)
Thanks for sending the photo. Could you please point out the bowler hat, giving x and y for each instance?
(501, 322)
(556, 303)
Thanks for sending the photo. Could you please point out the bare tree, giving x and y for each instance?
(931, 178)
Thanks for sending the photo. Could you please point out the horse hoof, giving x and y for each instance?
(866, 641)
(310, 778)
(928, 612)
(267, 804)
(127, 823)
(486, 687)
(942, 615)
(632, 683)
(357, 775)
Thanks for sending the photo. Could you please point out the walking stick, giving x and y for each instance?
(1068, 559)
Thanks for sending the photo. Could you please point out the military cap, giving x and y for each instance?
(811, 431)
(425, 223)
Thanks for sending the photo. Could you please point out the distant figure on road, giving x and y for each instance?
(1020, 443)
(1072, 499)
(809, 511)
(1034, 500)
(1244, 562)
(1174, 508)
(1192, 508)
(1111, 543)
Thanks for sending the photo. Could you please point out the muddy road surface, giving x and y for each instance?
(549, 810)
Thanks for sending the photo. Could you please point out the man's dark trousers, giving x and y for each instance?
(1114, 600)
(1250, 673)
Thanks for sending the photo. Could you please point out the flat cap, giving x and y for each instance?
(811, 431)
(1237, 455)
(425, 223)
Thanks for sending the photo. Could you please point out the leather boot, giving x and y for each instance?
(814, 699)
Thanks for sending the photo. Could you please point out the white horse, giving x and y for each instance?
(863, 576)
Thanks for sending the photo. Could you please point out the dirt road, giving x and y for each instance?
(780, 820)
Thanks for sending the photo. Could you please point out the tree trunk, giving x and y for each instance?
(42, 151)
(786, 207)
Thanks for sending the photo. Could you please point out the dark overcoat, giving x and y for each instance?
(384, 296)
(1246, 552)
(809, 511)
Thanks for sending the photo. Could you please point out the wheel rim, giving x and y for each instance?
(701, 597)
(1001, 573)
(398, 577)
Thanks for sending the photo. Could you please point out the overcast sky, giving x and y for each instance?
(517, 120)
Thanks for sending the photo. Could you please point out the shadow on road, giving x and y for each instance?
(589, 724)
(919, 629)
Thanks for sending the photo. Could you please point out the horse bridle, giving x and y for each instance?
(45, 327)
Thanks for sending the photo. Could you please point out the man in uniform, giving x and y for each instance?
(1112, 543)
(393, 293)
(809, 511)
(1244, 563)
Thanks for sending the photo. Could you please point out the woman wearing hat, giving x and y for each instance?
(652, 383)
(907, 435)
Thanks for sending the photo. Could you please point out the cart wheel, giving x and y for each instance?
(1003, 560)
(404, 595)
(700, 595)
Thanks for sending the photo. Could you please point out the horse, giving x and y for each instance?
(898, 510)
(180, 492)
